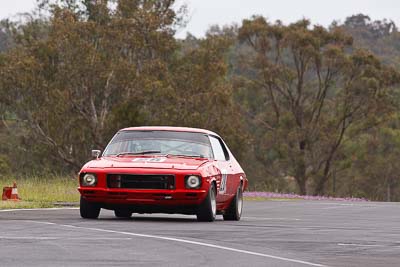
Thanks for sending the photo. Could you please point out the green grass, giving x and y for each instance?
(41, 192)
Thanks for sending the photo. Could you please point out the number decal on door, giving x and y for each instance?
(224, 177)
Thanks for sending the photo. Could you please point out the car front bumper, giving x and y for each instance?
(106, 196)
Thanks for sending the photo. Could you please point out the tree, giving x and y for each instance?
(5, 35)
(315, 87)
(380, 36)
(67, 74)
(194, 90)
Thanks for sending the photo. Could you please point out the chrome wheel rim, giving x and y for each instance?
(213, 203)
(239, 202)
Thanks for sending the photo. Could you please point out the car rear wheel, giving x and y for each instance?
(234, 212)
(208, 209)
(122, 213)
(88, 209)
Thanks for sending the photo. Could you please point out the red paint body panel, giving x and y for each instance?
(178, 163)
(153, 200)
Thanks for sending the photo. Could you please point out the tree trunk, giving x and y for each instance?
(320, 188)
(388, 192)
(302, 186)
(300, 172)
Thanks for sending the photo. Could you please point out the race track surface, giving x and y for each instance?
(271, 233)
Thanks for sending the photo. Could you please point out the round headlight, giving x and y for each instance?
(89, 180)
(193, 181)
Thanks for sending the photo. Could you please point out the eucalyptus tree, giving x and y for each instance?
(314, 91)
(69, 71)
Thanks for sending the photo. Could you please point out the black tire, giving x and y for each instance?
(123, 214)
(88, 209)
(208, 209)
(234, 212)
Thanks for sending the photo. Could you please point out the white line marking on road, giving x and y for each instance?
(61, 238)
(183, 241)
(38, 209)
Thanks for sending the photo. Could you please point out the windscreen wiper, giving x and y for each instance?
(186, 156)
(139, 153)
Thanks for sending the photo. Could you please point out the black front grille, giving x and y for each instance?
(136, 181)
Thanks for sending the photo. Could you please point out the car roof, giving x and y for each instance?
(169, 128)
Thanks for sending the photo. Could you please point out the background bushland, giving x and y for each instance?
(305, 108)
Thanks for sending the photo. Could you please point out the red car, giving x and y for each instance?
(163, 170)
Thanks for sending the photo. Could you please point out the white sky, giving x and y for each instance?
(203, 13)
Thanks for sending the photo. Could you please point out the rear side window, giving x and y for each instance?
(219, 150)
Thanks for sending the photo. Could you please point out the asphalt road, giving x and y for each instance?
(271, 233)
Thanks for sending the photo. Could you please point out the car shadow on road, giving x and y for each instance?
(151, 219)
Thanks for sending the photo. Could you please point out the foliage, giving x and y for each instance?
(5, 168)
(66, 75)
(74, 79)
(305, 108)
(315, 87)
(380, 36)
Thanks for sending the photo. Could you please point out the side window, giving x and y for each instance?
(220, 152)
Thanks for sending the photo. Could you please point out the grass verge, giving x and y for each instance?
(41, 192)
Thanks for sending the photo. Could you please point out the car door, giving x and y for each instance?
(224, 179)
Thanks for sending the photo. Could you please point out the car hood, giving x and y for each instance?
(179, 163)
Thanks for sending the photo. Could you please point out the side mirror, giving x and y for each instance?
(96, 154)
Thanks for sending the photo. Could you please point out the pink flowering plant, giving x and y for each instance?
(272, 195)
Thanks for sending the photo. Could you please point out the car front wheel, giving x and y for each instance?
(208, 209)
(234, 212)
(88, 209)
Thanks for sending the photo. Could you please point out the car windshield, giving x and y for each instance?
(159, 142)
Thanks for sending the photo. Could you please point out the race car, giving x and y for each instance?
(163, 170)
